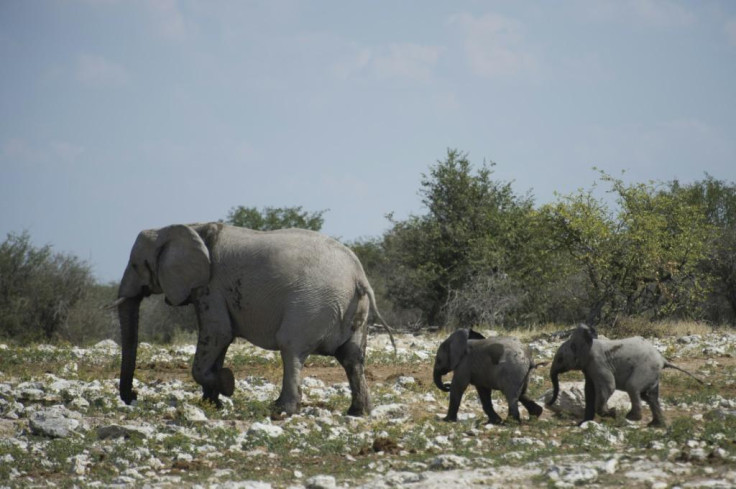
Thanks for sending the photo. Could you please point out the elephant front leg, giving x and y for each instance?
(589, 399)
(226, 381)
(604, 388)
(290, 399)
(457, 389)
(215, 336)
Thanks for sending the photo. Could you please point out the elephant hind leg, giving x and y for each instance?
(635, 413)
(351, 356)
(651, 396)
(485, 399)
(289, 400)
(532, 407)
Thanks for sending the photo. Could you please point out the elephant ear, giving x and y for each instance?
(474, 335)
(458, 347)
(496, 351)
(183, 262)
(587, 333)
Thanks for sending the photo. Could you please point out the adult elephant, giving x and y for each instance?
(292, 290)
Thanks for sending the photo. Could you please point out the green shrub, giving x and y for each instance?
(38, 289)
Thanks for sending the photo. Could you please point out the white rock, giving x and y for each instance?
(571, 400)
(107, 345)
(54, 422)
(321, 482)
(192, 413)
(79, 463)
(390, 411)
(272, 431)
(574, 475)
(448, 461)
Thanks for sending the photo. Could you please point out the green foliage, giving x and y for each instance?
(641, 259)
(270, 218)
(89, 321)
(38, 288)
(474, 227)
(718, 201)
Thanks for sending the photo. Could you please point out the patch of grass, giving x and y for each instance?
(247, 408)
(244, 358)
(681, 430)
(721, 432)
(178, 442)
(636, 326)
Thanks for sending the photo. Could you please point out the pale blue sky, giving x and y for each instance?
(116, 116)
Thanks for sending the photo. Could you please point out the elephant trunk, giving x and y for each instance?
(128, 314)
(554, 373)
(438, 381)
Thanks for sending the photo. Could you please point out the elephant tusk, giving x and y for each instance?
(114, 304)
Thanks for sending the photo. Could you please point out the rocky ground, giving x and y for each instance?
(62, 424)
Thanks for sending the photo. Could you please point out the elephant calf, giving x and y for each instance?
(501, 363)
(631, 364)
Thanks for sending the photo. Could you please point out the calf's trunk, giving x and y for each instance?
(438, 381)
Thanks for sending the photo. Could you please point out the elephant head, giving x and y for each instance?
(450, 353)
(571, 356)
(172, 260)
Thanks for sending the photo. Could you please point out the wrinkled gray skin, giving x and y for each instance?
(500, 363)
(632, 365)
(295, 291)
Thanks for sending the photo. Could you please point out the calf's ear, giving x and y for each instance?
(458, 347)
(496, 352)
(474, 335)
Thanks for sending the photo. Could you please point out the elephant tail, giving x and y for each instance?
(366, 288)
(525, 382)
(667, 364)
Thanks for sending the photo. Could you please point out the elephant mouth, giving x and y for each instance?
(438, 374)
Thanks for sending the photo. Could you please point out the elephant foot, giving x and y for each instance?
(657, 423)
(212, 400)
(450, 419)
(497, 420)
(128, 397)
(534, 409)
(358, 411)
(633, 416)
(226, 382)
(608, 413)
(280, 408)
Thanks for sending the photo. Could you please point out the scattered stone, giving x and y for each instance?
(117, 431)
(192, 413)
(576, 475)
(321, 482)
(108, 346)
(390, 411)
(54, 422)
(448, 461)
(700, 462)
(265, 429)
(571, 400)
